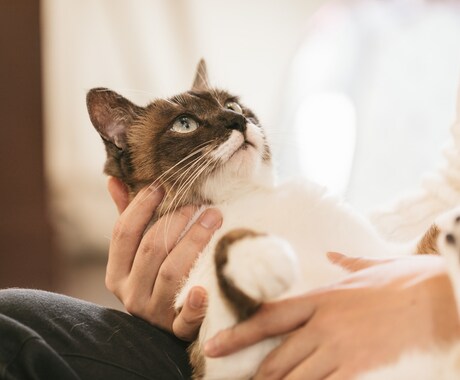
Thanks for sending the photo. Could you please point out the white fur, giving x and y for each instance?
(438, 364)
(300, 219)
(263, 257)
(225, 151)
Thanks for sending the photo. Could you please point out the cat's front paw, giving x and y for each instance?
(449, 245)
(253, 268)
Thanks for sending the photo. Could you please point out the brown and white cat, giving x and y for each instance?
(205, 148)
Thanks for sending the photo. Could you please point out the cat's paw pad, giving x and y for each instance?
(263, 267)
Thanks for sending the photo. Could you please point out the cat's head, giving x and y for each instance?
(200, 145)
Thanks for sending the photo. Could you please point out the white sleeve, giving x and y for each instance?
(412, 214)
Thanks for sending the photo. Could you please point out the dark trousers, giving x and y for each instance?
(49, 336)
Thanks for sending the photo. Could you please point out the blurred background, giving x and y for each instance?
(358, 95)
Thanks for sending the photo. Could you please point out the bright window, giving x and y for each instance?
(372, 95)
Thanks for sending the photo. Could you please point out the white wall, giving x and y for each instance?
(397, 62)
(146, 49)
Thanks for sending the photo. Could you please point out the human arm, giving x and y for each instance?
(145, 270)
(366, 320)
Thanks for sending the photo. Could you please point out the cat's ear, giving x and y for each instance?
(111, 115)
(201, 81)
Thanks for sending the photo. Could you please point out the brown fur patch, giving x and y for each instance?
(241, 304)
(428, 243)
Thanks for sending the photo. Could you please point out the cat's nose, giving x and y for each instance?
(237, 123)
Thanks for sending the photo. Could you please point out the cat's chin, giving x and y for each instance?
(243, 172)
(242, 162)
(246, 157)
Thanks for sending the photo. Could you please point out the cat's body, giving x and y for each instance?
(306, 217)
(203, 147)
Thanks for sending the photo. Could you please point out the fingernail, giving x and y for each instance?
(210, 218)
(196, 300)
(335, 256)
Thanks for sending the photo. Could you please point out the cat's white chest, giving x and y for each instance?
(302, 214)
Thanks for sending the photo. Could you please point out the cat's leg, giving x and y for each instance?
(253, 268)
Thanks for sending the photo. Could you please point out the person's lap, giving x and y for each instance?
(49, 336)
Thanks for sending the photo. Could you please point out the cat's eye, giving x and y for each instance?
(234, 106)
(184, 124)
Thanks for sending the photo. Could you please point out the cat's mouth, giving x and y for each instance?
(236, 145)
(244, 146)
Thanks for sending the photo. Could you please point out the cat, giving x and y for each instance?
(204, 147)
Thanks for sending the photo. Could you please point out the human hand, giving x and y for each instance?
(145, 270)
(364, 321)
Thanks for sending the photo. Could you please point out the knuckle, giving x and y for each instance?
(185, 331)
(269, 369)
(132, 305)
(120, 231)
(199, 235)
(167, 274)
(191, 319)
(153, 244)
(181, 332)
(183, 215)
(146, 247)
(110, 284)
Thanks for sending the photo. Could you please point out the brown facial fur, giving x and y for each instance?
(150, 152)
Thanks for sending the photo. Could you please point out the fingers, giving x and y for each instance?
(119, 193)
(155, 246)
(316, 367)
(271, 320)
(296, 348)
(145, 268)
(353, 264)
(178, 263)
(127, 235)
(187, 323)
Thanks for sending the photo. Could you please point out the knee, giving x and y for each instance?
(15, 298)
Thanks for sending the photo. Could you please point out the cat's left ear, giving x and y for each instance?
(111, 115)
(201, 81)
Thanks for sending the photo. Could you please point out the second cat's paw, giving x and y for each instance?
(260, 267)
(448, 242)
(449, 245)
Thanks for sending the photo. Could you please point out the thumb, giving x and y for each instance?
(353, 264)
(188, 321)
